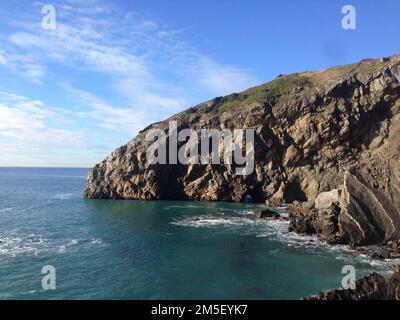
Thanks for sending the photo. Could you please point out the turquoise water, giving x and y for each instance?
(151, 250)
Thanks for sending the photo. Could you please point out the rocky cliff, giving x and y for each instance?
(327, 142)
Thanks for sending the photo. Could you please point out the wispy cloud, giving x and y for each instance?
(131, 50)
(3, 60)
(147, 69)
(24, 120)
(219, 79)
(105, 115)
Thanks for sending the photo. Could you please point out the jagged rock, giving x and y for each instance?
(292, 156)
(326, 199)
(302, 218)
(274, 202)
(302, 225)
(371, 287)
(395, 245)
(367, 216)
(384, 254)
(267, 214)
(315, 132)
(327, 225)
(393, 284)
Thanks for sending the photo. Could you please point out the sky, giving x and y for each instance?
(72, 94)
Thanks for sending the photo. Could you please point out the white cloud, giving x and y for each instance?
(35, 73)
(132, 51)
(31, 134)
(23, 120)
(128, 72)
(224, 79)
(105, 115)
(3, 60)
(152, 72)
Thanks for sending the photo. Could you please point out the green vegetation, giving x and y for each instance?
(182, 117)
(280, 89)
(270, 92)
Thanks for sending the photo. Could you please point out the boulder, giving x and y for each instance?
(262, 214)
(292, 156)
(326, 199)
(394, 285)
(274, 202)
(327, 225)
(303, 224)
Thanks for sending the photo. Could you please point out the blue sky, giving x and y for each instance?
(70, 96)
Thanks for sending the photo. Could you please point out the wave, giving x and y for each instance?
(277, 230)
(71, 243)
(246, 212)
(64, 196)
(97, 241)
(6, 210)
(212, 221)
(14, 245)
(191, 206)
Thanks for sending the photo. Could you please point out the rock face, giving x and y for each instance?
(262, 214)
(327, 142)
(327, 199)
(371, 287)
(357, 214)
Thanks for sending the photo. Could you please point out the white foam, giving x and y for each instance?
(14, 244)
(277, 230)
(64, 196)
(246, 212)
(26, 244)
(184, 207)
(70, 243)
(212, 221)
(97, 241)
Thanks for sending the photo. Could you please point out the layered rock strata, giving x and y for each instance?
(326, 142)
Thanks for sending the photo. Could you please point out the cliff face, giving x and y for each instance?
(331, 136)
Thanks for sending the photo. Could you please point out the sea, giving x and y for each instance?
(114, 249)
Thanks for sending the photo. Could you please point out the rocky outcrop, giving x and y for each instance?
(327, 142)
(326, 200)
(262, 214)
(371, 287)
(356, 214)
